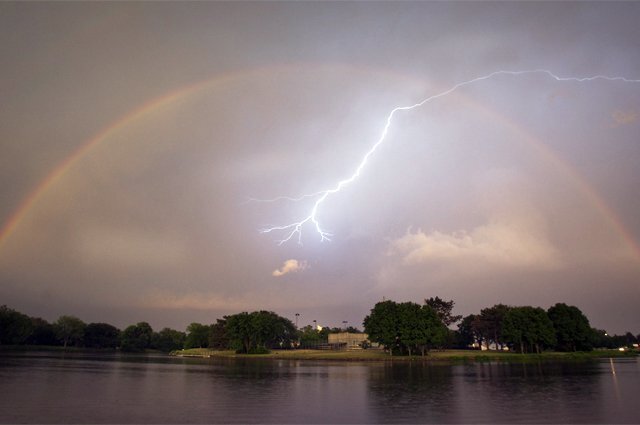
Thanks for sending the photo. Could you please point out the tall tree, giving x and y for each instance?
(443, 309)
(405, 327)
(145, 333)
(15, 327)
(412, 326)
(101, 335)
(572, 328)
(197, 336)
(382, 324)
(69, 330)
(273, 331)
(258, 331)
(631, 339)
(136, 337)
(43, 333)
(528, 328)
(437, 333)
(491, 323)
(218, 338)
(467, 334)
(240, 331)
(168, 340)
(600, 338)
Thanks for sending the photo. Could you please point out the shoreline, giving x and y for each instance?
(440, 356)
(369, 355)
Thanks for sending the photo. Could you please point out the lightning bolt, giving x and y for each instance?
(294, 229)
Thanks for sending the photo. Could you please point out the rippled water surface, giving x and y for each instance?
(81, 388)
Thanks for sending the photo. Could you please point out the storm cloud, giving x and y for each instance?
(133, 134)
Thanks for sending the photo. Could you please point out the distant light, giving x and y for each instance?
(621, 349)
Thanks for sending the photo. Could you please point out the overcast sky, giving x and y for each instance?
(136, 137)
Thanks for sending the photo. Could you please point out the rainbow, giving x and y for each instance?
(571, 174)
(146, 109)
(220, 80)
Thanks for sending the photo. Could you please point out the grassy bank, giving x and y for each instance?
(435, 356)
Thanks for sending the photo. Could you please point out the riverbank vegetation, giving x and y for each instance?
(394, 329)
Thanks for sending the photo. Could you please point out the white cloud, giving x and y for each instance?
(290, 266)
(515, 233)
(496, 243)
(621, 117)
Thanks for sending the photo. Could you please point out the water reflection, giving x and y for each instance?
(539, 392)
(51, 388)
(410, 392)
(617, 387)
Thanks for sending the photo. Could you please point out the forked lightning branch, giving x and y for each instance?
(311, 221)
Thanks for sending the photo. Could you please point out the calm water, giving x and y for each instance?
(80, 388)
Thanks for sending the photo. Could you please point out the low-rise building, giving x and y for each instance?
(348, 340)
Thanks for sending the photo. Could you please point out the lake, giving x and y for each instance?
(97, 388)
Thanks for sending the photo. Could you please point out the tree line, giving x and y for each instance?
(255, 332)
(407, 328)
(69, 331)
(401, 328)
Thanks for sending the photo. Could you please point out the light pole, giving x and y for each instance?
(297, 314)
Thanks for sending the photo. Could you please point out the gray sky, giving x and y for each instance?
(133, 137)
